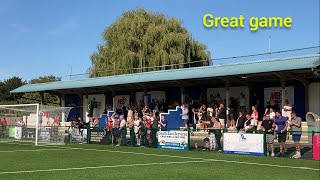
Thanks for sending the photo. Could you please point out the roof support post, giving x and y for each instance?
(183, 94)
(114, 93)
(227, 83)
(283, 90)
(41, 98)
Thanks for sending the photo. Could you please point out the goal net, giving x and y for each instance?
(34, 123)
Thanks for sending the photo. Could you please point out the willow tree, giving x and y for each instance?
(142, 41)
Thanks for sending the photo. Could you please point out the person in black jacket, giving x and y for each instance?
(240, 122)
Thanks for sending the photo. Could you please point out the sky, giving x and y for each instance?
(45, 37)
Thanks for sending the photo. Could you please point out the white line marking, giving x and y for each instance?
(186, 157)
(31, 150)
(99, 167)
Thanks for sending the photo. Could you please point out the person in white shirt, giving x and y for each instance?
(286, 111)
(185, 115)
(272, 114)
(137, 125)
(123, 130)
(249, 124)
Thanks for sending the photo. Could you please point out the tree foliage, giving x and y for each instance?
(8, 85)
(26, 98)
(140, 39)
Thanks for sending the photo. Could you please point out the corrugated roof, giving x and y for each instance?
(282, 64)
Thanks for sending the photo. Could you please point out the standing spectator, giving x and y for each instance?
(143, 130)
(137, 125)
(255, 117)
(154, 131)
(215, 127)
(242, 102)
(268, 126)
(109, 134)
(163, 124)
(295, 125)
(185, 115)
(4, 122)
(231, 113)
(115, 130)
(222, 115)
(240, 122)
(282, 125)
(123, 130)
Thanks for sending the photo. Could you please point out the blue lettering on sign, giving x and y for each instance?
(242, 138)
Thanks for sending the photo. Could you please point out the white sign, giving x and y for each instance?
(242, 143)
(274, 94)
(17, 132)
(173, 140)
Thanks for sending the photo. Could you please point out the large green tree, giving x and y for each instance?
(142, 41)
(8, 85)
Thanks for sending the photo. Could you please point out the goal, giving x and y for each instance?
(34, 123)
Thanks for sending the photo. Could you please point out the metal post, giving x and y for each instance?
(37, 125)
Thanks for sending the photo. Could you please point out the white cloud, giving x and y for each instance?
(63, 27)
(19, 28)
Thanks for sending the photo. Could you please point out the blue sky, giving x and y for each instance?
(42, 37)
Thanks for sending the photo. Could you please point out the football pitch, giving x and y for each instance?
(83, 161)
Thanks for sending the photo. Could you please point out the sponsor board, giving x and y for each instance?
(173, 140)
(241, 143)
(97, 136)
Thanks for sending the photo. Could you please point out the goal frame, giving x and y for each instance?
(37, 117)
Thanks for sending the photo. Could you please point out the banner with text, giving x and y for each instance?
(238, 143)
(274, 96)
(173, 140)
(123, 100)
(97, 136)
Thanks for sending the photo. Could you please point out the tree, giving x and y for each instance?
(142, 41)
(36, 97)
(8, 85)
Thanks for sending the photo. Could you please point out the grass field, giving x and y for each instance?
(80, 161)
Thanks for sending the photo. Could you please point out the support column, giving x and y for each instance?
(145, 96)
(306, 97)
(85, 108)
(41, 98)
(114, 100)
(63, 114)
(283, 90)
(227, 82)
(183, 93)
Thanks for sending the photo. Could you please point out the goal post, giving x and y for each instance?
(33, 122)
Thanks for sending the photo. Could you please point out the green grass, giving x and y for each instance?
(109, 162)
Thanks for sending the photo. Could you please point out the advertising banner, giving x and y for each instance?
(18, 132)
(239, 143)
(79, 136)
(274, 96)
(97, 136)
(173, 140)
(123, 100)
(11, 132)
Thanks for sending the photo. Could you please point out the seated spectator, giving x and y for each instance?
(240, 122)
(272, 114)
(249, 124)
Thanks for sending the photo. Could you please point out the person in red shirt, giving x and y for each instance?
(109, 130)
(4, 122)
